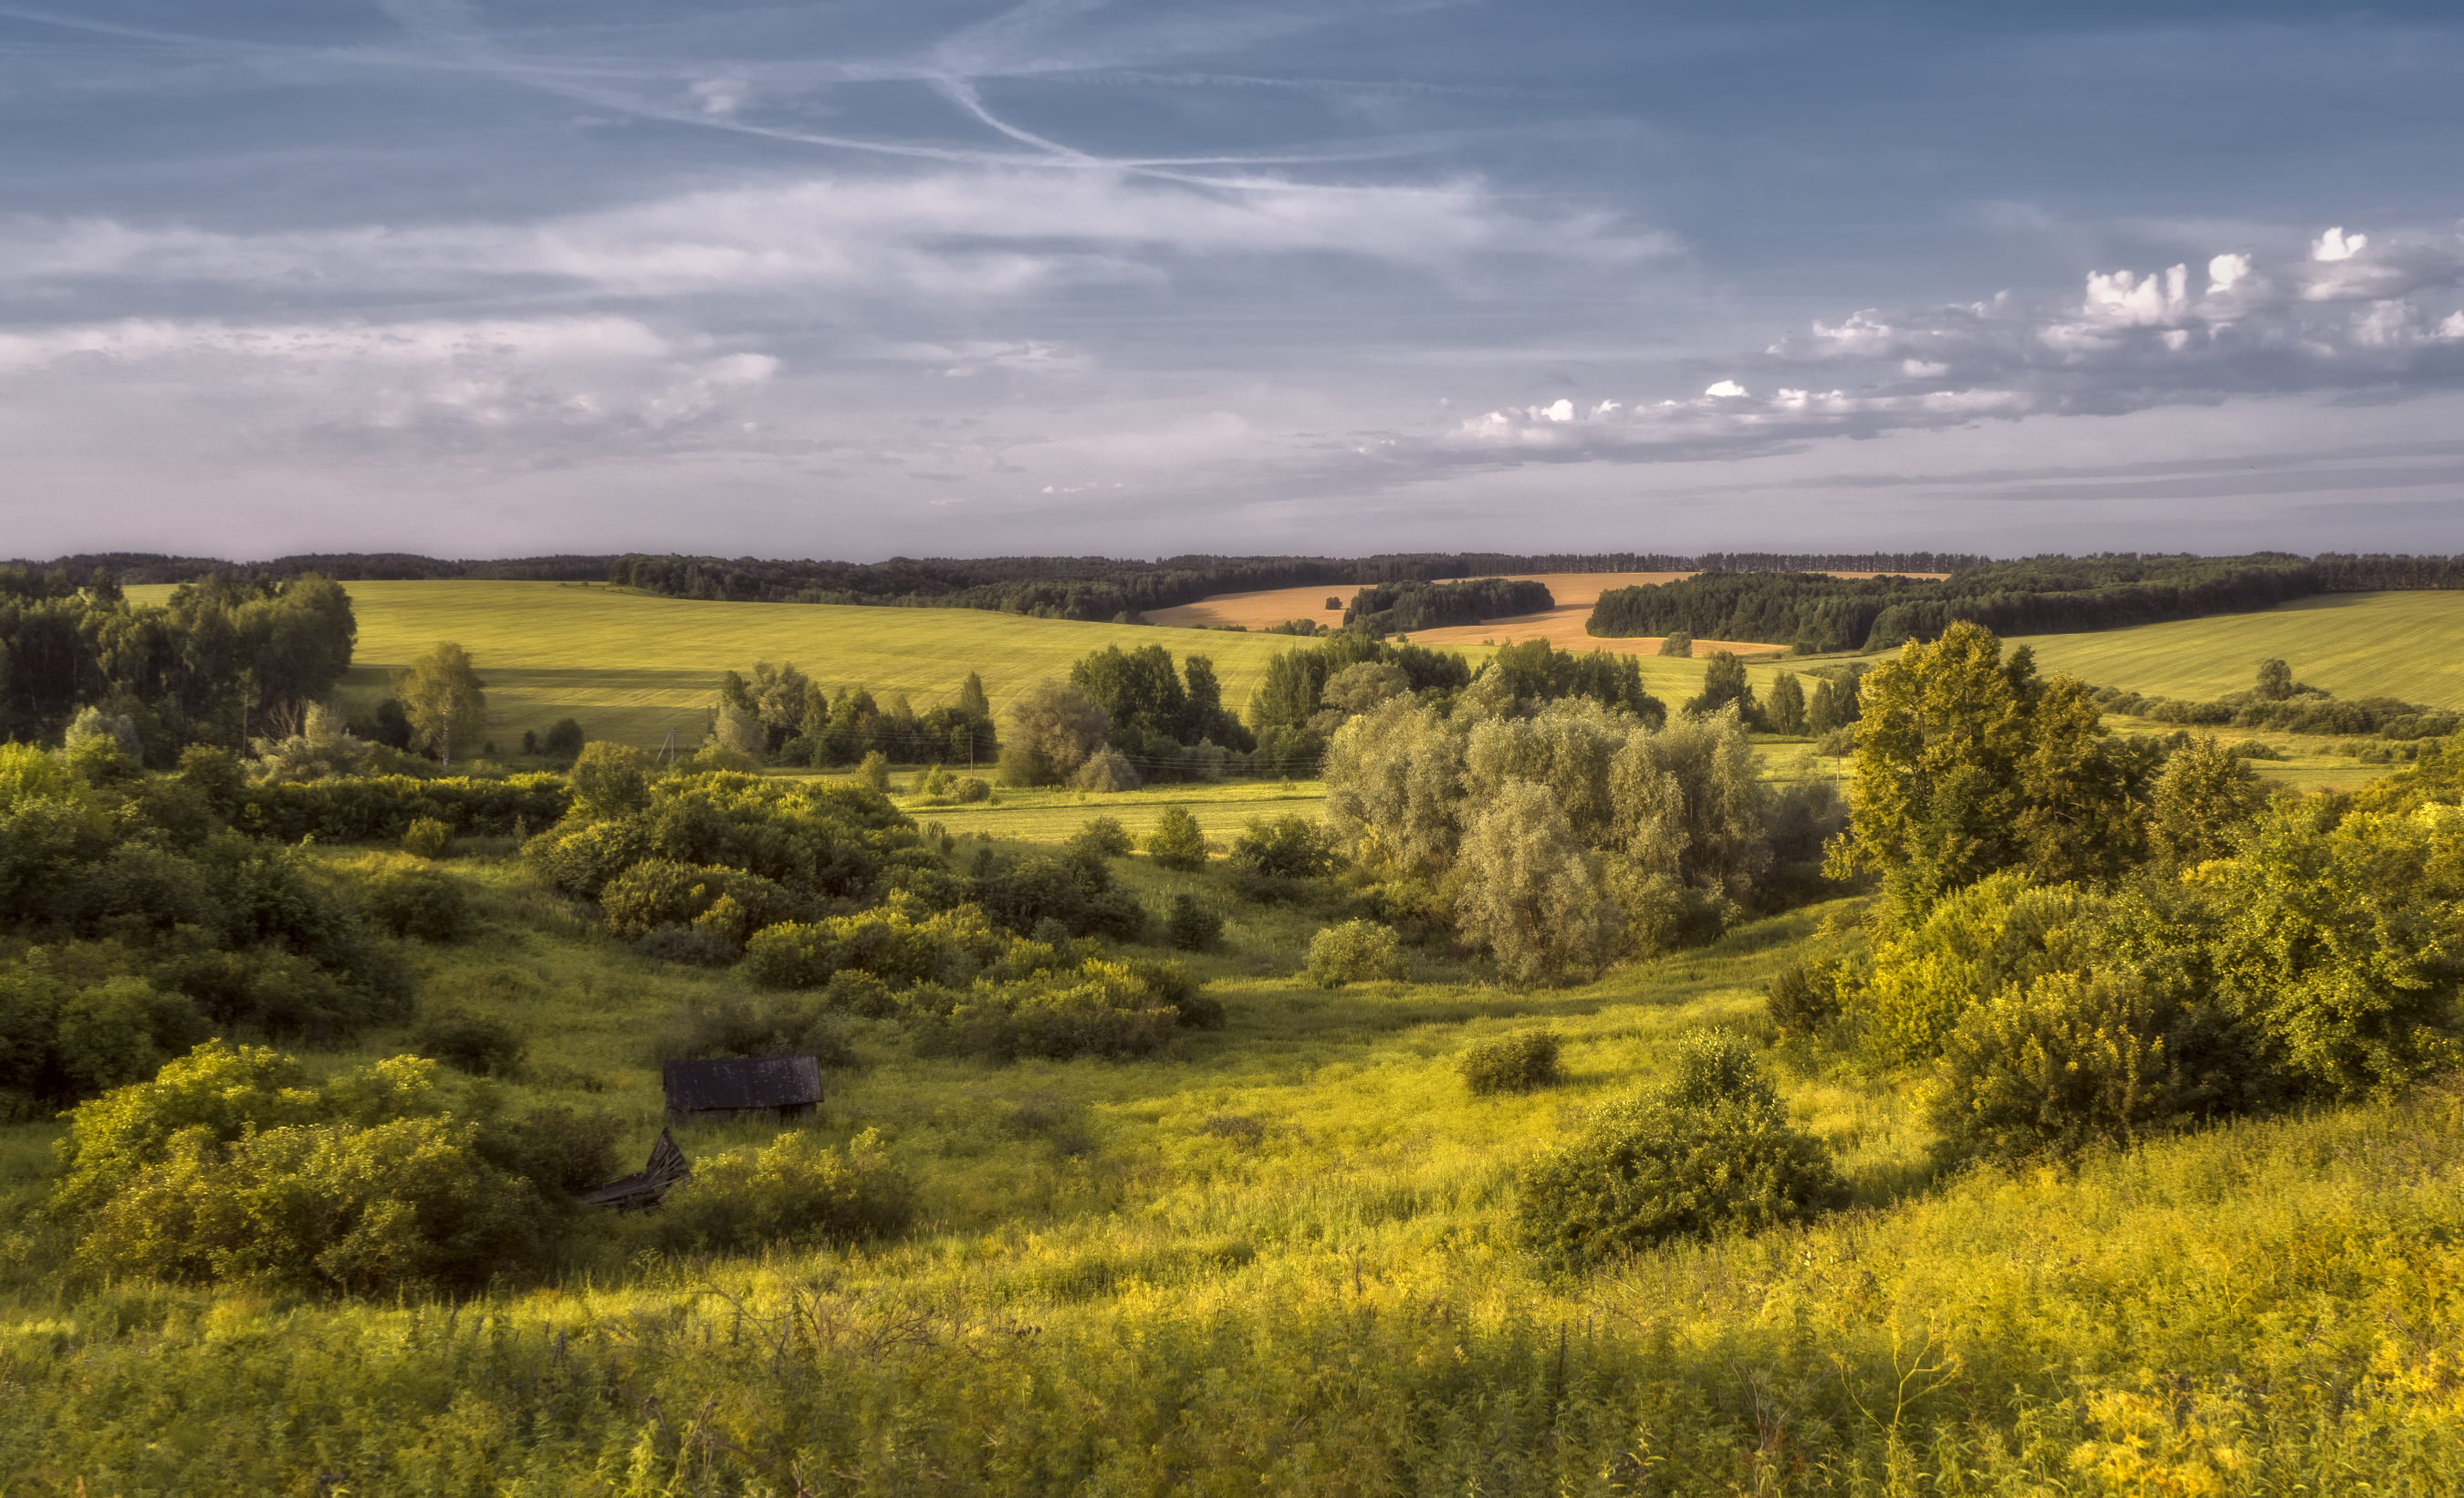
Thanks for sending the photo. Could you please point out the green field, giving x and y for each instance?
(629, 666)
(2354, 644)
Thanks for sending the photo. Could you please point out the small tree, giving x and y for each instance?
(442, 695)
(610, 780)
(2275, 681)
(972, 700)
(1178, 842)
(1356, 951)
(1679, 644)
(1786, 710)
(1054, 729)
(563, 739)
(2205, 794)
(1724, 682)
(874, 770)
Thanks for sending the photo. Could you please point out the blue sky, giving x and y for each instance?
(861, 279)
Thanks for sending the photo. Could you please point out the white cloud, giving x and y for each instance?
(1726, 390)
(2334, 245)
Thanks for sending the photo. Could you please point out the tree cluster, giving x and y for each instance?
(1401, 607)
(226, 660)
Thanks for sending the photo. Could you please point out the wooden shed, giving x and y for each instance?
(785, 1087)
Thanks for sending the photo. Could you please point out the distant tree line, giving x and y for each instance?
(1398, 608)
(2041, 596)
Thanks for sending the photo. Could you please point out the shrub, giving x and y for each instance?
(1176, 842)
(657, 892)
(611, 780)
(874, 770)
(1680, 644)
(778, 1025)
(890, 945)
(1516, 1063)
(426, 837)
(1172, 985)
(1097, 1008)
(1711, 1153)
(1107, 770)
(972, 789)
(559, 1148)
(1192, 928)
(1531, 894)
(1289, 847)
(480, 1045)
(2046, 1070)
(563, 739)
(380, 808)
(118, 1031)
(1804, 998)
(1356, 951)
(793, 1192)
(1102, 838)
(420, 903)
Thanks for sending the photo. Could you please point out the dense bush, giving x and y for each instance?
(950, 947)
(728, 902)
(776, 1025)
(1098, 1008)
(1293, 847)
(480, 1045)
(793, 1192)
(415, 902)
(693, 945)
(2047, 1069)
(1803, 998)
(1356, 951)
(1711, 1153)
(380, 808)
(229, 1167)
(1076, 891)
(426, 837)
(1176, 842)
(563, 739)
(1191, 926)
(1102, 838)
(1516, 1063)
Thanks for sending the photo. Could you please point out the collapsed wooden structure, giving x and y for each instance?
(647, 1186)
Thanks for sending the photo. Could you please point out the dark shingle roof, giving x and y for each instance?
(747, 1082)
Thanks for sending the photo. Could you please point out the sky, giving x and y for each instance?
(479, 279)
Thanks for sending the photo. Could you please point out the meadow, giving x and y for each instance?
(630, 666)
(1280, 1258)
(2354, 644)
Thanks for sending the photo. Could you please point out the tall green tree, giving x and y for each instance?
(443, 696)
(1786, 710)
(1724, 682)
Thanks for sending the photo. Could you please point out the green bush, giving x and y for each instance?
(1191, 926)
(2047, 1069)
(1356, 951)
(426, 837)
(793, 1192)
(874, 770)
(1517, 1063)
(1677, 643)
(658, 891)
(971, 788)
(1176, 842)
(1711, 1152)
(611, 780)
(1099, 1008)
(694, 945)
(228, 1168)
(420, 903)
(480, 1045)
(1803, 999)
(888, 945)
(777, 1024)
(563, 739)
(1102, 838)
(1292, 847)
(380, 808)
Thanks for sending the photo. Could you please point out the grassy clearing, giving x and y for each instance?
(2354, 644)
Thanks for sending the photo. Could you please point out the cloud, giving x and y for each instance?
(2356, 318)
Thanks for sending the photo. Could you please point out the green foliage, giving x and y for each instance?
(610, 780)
(1710, 1155)
(874, 771)
(972, 789)
(1098, 1008)
(1176, 842)
(1725, 686)
(2047, 1069)
(1400, 607)
(1804, 999)
(1191, 926)
(1521, 1062)
(2202, 797)
(659, 892)
(2001, 930)
(888, 945)
(795, 1191)
(1785, 713)
(772, 1024)
(1675, 643)
(1356, 951)
(1106, 770)
(1102, 838)
(415, 902)
(380, 808)
(1054, 727)
(1292, 847)
(426, 837)
(480, 1045)
(441, 693)
(1531, 894)
(563, 739)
